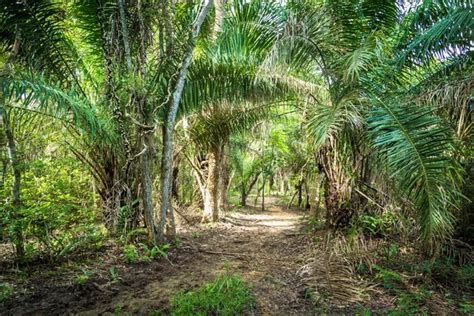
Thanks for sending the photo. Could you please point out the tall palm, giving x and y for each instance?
(368, 92)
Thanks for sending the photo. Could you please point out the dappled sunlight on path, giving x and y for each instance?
(265, 248)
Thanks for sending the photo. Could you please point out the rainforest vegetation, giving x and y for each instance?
(236, 157)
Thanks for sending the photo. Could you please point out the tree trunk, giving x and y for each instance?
(336, 214)
(147, 186)
(257, 196)
(243, 196)
(175, 185)
(219, 13)
(299, 189)
(13, 157)
(211, 200)
(245, 191)
(16, 198)
(281, 178)
(307, 205)
(271, 182)
(337, 185)
(172, 109)
(125, 39)
(224, 182)
(316, 203)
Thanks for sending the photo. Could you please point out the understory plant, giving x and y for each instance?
(227, 295)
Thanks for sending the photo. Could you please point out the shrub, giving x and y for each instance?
(227, 295)
(391, 279)
(144, 253)
(5, 292)
(58, 214)
(82, 278)
(131, 253)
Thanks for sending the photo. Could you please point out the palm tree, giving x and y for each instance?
(367, 109)
(91, 73)
(36, 22)
(375, 86)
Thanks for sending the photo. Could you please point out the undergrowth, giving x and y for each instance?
(383, 251)
(5, 292)
(144, 253)
(227, 295)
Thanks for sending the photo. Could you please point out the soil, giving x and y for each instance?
(265, 247)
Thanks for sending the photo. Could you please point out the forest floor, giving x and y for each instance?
(290, 272)
(266, 248)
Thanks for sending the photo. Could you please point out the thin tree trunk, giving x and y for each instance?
(263, 193)
(219, 13)
(243, 196)
(306, 189)
(245, 192)
(219, 9)
(315, 206)
(281, 190)
(257, 196)
(147, 187)
(175, 185)
(167, 154)
(285, 185)
(16, 198)
(271, 182)
(13, 158)
(223, 182)
(299, 189)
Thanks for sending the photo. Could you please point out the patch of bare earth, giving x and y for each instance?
(265, 247)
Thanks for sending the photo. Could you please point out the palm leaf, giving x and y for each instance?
(326, 119)
(418, 152)
(216, 125)
(35, 94)
(438, 29)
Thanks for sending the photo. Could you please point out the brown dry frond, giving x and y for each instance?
(357, 250)
(332, 276)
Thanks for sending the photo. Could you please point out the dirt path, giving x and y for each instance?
(265, 248)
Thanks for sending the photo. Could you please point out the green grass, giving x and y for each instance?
(227, 295)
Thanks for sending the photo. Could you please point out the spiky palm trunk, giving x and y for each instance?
(337, 186)
(211, 198)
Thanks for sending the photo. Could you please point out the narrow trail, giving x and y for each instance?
(265, 248)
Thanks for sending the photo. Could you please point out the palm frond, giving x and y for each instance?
(216, 125)
(326, 119)
(35, 94)
(418, 152)
(39, 27)
(438, 29)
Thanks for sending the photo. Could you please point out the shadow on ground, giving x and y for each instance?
(265, 248)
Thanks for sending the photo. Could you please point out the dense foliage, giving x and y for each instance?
(116, 115)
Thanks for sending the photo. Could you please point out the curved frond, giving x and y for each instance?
(326, 120)
(439, 29)
(37, 95)
(39, 28)
(418, 153)
(218, 124)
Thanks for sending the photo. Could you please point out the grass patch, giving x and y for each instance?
(227, 295)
